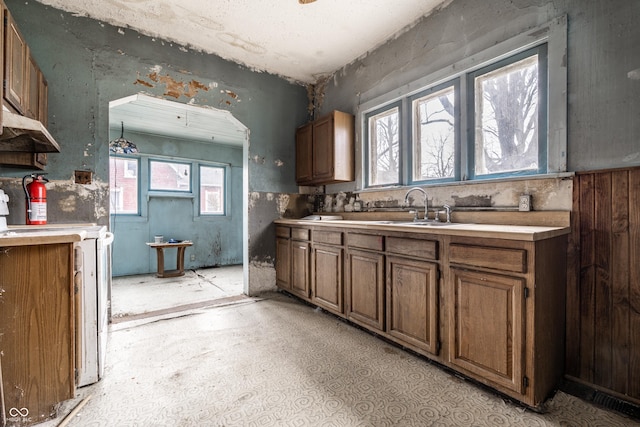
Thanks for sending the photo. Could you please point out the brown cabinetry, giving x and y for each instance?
(283, 257)
(300, 253)
(412, 292)
(327, 263)
(36, 330)
(16, 54)
(487, 326)
(365, 280)
(24, 140)
(325, 150)
(506, 314)
(491, 309)
(304, 164)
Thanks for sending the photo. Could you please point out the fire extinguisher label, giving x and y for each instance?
(38, 211)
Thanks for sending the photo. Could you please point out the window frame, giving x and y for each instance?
(541, 51)
(225, 189)
(126, 159)
(367, 169)
(455, 84)
(177, 192)
(552, 33)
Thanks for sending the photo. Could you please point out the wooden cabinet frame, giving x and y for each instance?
(488, 308)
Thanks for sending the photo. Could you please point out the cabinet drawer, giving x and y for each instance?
(489, 257)
(328, 237)
(365, 241)
(283, 232)
(300, 233)
(425, 249)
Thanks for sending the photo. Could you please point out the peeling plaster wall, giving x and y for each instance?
(264, 208)
(88, 63)
(603, 67)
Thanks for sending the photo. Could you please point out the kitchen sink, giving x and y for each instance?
(429, 223)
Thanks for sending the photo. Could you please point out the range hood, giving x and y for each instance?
(22, 134)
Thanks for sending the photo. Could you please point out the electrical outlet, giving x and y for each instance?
(192, 257)
(83, 177)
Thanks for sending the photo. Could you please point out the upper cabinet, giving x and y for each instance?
(325, 150)
(16, 53)
(24, 139)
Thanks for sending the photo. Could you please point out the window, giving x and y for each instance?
(123, 185)
(434, 139)
(509, 125)
(131, 168)
(169, 176)
(497, 113)
(212, 194)
(383, 130)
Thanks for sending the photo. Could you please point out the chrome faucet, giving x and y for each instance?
(426, 202)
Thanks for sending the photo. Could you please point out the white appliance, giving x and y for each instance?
(93, 319)
(4, 210)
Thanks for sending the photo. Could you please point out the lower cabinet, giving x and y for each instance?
(37, 348)
(487, 326)
(326, 266)
(300, 268)
(491, 309)
(364, 288)
(283, 258)
(327, 262)
(412, 302)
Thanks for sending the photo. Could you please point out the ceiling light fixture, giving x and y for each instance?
(305, 1)
(121, 145)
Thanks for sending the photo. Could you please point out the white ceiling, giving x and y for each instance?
(300, 42)
(146, 114)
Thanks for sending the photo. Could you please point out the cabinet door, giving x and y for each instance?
(323, 151)
(36, 330)
(412, 302)
(43, 101)
(327, 277)
(300, 268)
(15, 65)
(32, 108)
(364, 288)
(304, 141)
(283, 263)
(487, 326)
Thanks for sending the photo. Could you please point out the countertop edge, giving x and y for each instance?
(495, 231)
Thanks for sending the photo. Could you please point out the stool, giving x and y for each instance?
(160, 247)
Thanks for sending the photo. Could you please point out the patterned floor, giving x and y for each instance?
(277, 362)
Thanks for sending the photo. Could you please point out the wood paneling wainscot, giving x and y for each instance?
(603, 286)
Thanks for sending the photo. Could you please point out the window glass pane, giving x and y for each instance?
(384, 148)
(169, 176)
(506, 118)
(123, 185)
(211, 190)
(434, 135)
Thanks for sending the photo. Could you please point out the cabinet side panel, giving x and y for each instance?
(37, 331)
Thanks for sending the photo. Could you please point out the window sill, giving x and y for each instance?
(561, 175)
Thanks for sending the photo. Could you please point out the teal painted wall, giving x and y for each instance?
(217, 240)
(88, 63)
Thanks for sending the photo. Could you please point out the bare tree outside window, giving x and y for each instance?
(434, 135)
(506, 118)
(384, 148)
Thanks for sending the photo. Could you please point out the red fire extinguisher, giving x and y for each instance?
(36, 195)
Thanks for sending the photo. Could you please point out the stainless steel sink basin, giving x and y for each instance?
(429, 223)
(419, 223)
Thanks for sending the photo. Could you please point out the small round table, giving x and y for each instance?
(160, 247)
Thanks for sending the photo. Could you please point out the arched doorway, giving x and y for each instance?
(179, 148)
